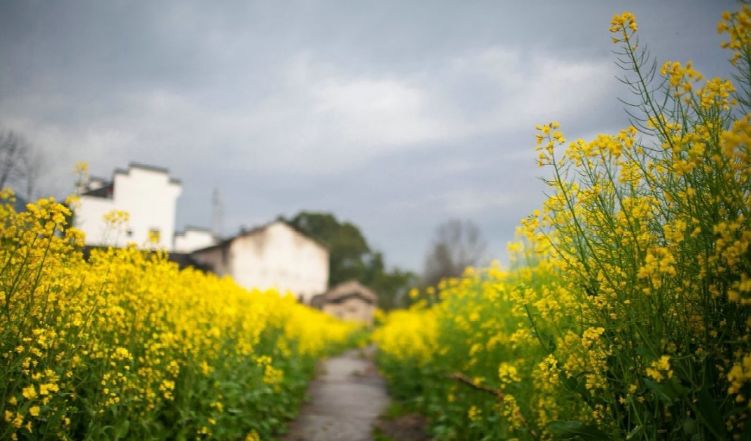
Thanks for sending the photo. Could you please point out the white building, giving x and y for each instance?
(193, 238)
(146, 193)
(274, 255)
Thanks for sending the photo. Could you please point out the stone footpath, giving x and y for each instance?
(345, 401)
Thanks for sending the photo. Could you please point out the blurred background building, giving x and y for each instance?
(272, 256)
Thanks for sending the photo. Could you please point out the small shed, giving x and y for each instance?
(348, 301)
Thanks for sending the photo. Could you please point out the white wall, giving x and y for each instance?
(89, 219)
(193, 239)
(279, 257)
(148, 195)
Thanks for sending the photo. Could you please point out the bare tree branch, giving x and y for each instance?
(20, 164)
(477, 386)
(457, 245)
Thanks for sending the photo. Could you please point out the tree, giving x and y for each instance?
(347, 246)
(456, 245)
(351, 258)
(391, 285)
(20, 163)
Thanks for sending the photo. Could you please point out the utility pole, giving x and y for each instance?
(217, 211)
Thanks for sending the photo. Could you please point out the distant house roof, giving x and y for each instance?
(344, 291)
(154, 168)
(185, 260)
(256, 230)
(195, 228)
(104, 187)
(105, 191)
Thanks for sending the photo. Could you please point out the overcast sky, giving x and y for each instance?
(394, 115)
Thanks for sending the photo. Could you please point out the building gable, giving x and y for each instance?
(146, 193)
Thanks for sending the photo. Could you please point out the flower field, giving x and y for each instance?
(626, 313)
(127, 346)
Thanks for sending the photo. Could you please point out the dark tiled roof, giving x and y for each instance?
(154, 168)
(101, 192)
(344, 291)
(255, 230)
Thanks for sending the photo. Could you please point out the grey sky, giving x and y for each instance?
(395, 115)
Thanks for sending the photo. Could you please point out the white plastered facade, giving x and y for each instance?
(193, 239)
(149, 197)
(275, 256)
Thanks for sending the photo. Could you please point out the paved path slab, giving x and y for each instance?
(345, 401)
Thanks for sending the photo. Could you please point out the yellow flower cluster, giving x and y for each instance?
(411, 333)
(507, 373)
(659, 369)
(717, 92)
(89, 346)
(739, 376)
(736, 25)
(478, 326)
(622, 26)
(681, 78)
(548, 138)
(627, 311)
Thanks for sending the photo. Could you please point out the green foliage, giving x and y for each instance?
(348, 247)
(351, 258)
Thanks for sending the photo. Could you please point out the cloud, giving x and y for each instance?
(368, 112)
(377, 112)
(342, 119)
(467, 203)
(322, 118)
(471, 202)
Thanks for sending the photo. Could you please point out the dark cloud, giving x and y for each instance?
(395, 115)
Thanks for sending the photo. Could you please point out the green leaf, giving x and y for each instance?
(576, 430)
(122, 428)
(708, 412)
(689, 426)
(635, 432)
(663, 391)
